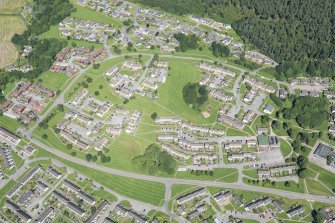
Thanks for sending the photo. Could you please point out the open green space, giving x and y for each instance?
(4, 190)
(142, 190)
(9, 123)
(252, 173)
(285, 148)
(228, 175)
(314, 187)
(53, 81)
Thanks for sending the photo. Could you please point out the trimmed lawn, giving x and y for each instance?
(142, 190)
(53, 81)
(4, 190)
(9, 123)
(177, 189)
(171, 97)
(235, 132)
(252, 173)
(314, 187)
(325, 176)
(268, 72)
(228, 175)
(285, 148)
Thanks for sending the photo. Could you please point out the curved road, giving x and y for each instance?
(169, 181)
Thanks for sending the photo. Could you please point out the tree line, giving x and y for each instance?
(298, 34)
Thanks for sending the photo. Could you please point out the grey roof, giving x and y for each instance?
(60, 197)
(120, 208)
(75, 209)
(258, 203)
(45, 215)
(238, 200)
(137, 217)
(25, 197)
(16, 210)
(191, 195)
(54, 172)
(295, 211)
(108, 220)
(277, 205)
(71, 185)
(86, 197)
(42, 185)
(194, 214)
(97, 212)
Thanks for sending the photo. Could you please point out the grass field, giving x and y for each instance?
(285, 148)
(4, 190)
(53, 81)
(146, 191)
(314, 187)
(252, 173)
(9, 123)
(11, 6)
(181, 73)
(227, 175)
(9, 25)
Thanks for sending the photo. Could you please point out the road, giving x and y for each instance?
(169, 181)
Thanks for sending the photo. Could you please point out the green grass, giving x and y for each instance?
(295, 187)
(268, 72)
(181, 73)
(9, 123)
(177, 189)
(88, 14)
(17, 159)
(235, 132)
(325, 176)
(285, 148)
(228, 175)
(252, 173)
(53, 81)
(145, 191)
(314, 187)
(4, 190)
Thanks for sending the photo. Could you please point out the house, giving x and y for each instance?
(277, 205)
(102, 207)
(283, 93)
(262, 130)
(45, 215)
(295, 211)
(174, 151)
(268, 109)
(165, 120)
(9, 136)
(257, 204)
(191, 195)
(23, 216)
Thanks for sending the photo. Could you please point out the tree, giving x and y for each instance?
(60, 107)
(317, 217)
(154, 115)
(194, 94)
(96, 66)
(88, 157)
(220, 50)
(69, 146)
(96, 93)
(89, 80)
(74, 153)
(187, 42)
(287, 184)
(45, 136)
(94, 158)
(330, 160)
(302, 173)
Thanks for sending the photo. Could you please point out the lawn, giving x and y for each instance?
(252, 173)
(142, 190)
(88, 14)
(325, 176)
(294, 187)
(268, 72)
(235, 132)
(227, 175)
(170, 93)
(285, 148)
(4, 190)
(9, 123)
(314, 187)
(178, 189)
(53, 81)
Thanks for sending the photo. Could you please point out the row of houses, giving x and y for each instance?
(8, 136)
(278, 170)
(121, 210)
(258, 85)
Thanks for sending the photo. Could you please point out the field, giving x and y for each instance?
(171, 98)
(11, 6)
(285, 148)
(9, 123)
(9, 25)
(53, 81)
(227, 175)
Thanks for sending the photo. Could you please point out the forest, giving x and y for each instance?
(299, 34)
